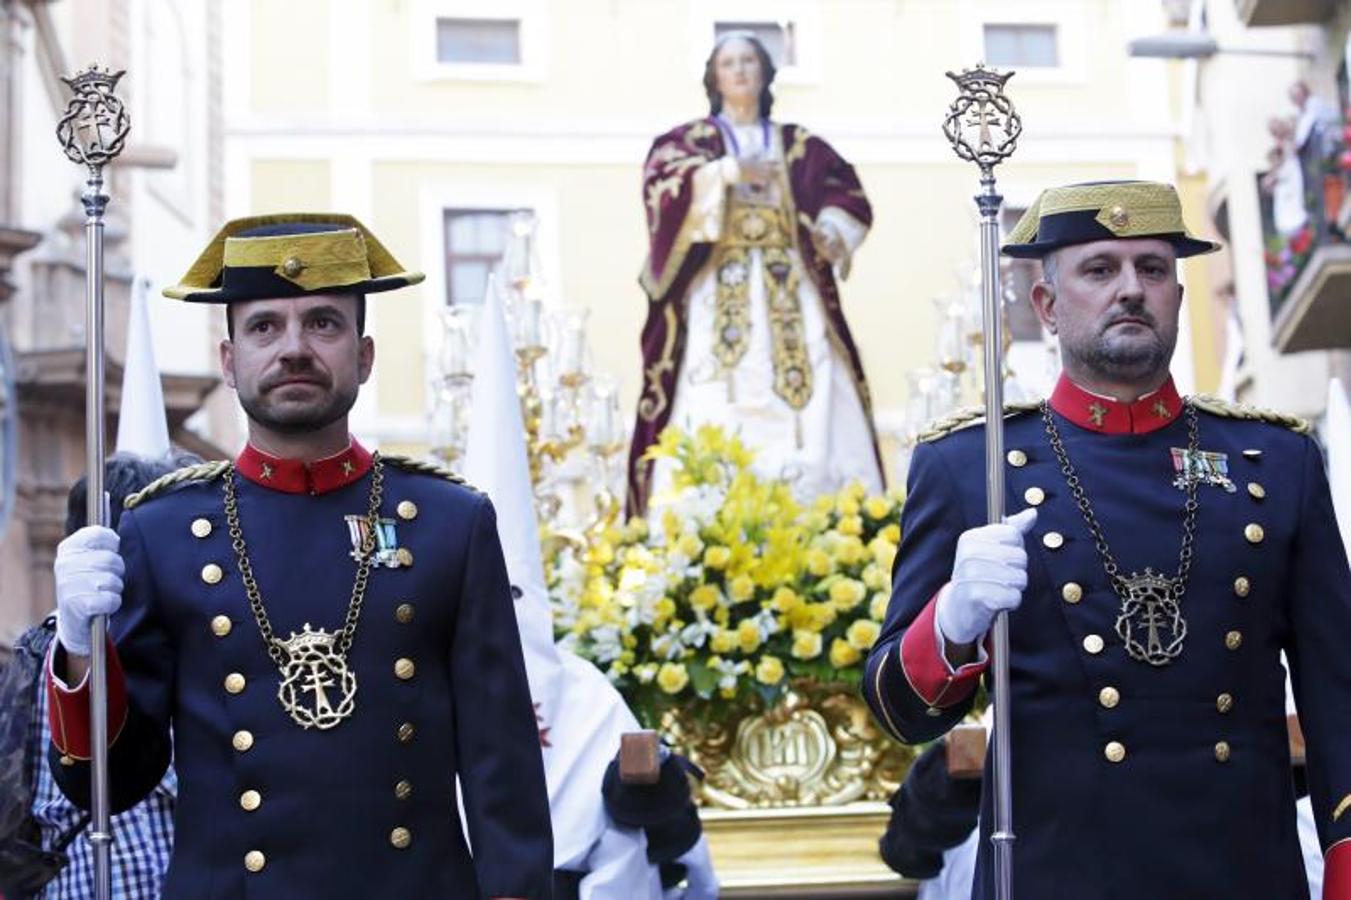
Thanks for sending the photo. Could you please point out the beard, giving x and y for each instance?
(299, 419)
(1124, 357)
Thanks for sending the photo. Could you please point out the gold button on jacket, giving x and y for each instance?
(212, 573)
(254, 860)
(221, 625)
(201, 528)
(1072, 592)
(400, 837)
(1115, 751)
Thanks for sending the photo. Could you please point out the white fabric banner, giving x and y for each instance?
(581, 715)
(141, 426)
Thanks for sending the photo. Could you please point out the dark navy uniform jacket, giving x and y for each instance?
(1130, 780)
(367, 808)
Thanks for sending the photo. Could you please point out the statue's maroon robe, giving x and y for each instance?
(817, 177)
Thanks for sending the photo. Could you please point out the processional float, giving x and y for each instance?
(824, 836)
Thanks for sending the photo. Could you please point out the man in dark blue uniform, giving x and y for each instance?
(1168, 550)
(325, 635)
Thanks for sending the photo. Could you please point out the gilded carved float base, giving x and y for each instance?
(794, 798)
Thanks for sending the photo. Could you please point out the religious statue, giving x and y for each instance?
(749, 220)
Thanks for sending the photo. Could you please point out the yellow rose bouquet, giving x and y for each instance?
(731, 588)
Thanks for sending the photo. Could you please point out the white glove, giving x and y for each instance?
(988, 576)
(88, 573)
(701, 882)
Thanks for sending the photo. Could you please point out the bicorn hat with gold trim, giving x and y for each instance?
(291, 255)
(1103, 211)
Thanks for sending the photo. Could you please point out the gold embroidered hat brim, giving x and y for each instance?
(1105, 210)
(346, 256)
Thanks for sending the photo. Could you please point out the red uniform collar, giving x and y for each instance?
(1098, 413)
(295, 477)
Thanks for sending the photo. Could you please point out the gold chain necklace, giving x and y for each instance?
(1150, 623)
(312, 661)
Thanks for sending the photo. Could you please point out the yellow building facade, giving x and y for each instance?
(372, 108)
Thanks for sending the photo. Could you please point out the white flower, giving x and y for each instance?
(699, 631)
(768, 622)
(668, 646)
(728, 671)
(606, 644)
(693, 505)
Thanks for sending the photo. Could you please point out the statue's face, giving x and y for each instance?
(740, 78)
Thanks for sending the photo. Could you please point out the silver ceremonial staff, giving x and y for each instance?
(92, 133)
(983, 128)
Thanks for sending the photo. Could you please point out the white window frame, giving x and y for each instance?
(461, 193)
(531, 14)
(1069, 17)
(175, 187)
(1054, 28)
(805, 15)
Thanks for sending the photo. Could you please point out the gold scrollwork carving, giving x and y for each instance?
(817, 747)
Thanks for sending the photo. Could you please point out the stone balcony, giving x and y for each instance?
(1316, 313)
(1284, 12)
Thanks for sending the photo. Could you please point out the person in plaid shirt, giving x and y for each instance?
(143, 835)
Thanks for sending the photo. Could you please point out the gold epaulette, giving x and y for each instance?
(207, 471)
(408, 464)
(1226, 410)
(968, 416)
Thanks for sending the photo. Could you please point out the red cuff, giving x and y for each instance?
(68, 708)
(1337, 871)
(928, 673)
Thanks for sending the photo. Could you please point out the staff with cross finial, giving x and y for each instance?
(92, 132)
(983, 128)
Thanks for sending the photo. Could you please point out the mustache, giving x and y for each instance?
(1132, 315)
(283, 378)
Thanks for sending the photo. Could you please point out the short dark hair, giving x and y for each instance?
(123, 475)
(767, 70)
(361, 317)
